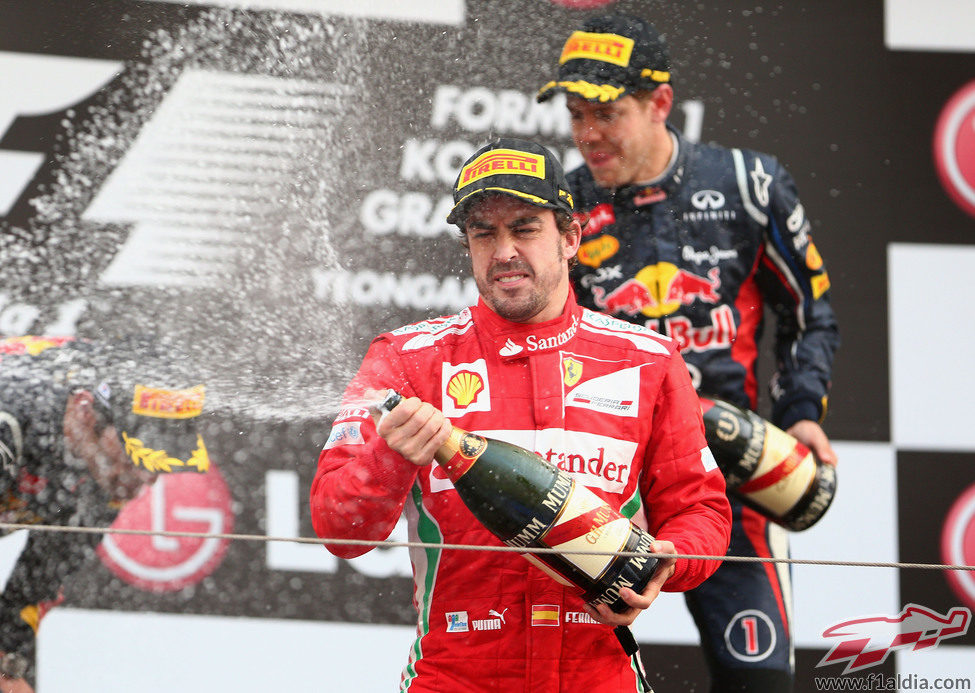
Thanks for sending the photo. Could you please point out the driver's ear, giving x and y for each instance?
(572, 239)
(662, 99)
(81, 408)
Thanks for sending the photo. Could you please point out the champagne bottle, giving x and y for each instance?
(529, 503)
(768, 469)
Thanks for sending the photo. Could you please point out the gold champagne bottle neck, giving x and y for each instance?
(451, 447)
(459, 451)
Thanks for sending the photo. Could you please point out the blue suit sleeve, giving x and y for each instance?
(792, 276)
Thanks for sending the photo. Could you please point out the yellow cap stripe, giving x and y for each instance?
(587, 90)
(534, 199)
(656, 75)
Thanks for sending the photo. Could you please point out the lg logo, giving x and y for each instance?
(958, 544)
(192, 503)
(284, 511)
(954, 147)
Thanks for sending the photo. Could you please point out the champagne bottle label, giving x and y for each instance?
(766, 467)
(587, 523)
(736, 439)
(784, 473)
(816, 501)
(463, 449)
(633, 572)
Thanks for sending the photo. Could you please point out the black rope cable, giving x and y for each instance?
(470, 547)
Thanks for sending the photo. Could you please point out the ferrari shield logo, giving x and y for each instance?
(571, 371)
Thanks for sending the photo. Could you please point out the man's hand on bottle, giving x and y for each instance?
(811, 434)
(415, 429)
(639, 602)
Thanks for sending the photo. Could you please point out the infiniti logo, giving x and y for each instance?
(707, 199)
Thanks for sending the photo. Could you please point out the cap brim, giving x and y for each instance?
(460, 209)
(163, 445)
(584, 88)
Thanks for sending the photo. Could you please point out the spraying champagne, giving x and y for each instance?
(527, 502)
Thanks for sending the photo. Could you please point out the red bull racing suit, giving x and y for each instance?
(39, 484)
(609, 402)
(44, 481)
(698, 255)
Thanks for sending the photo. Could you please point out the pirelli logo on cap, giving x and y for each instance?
(607, 48)
(502, 161)
(168, 404)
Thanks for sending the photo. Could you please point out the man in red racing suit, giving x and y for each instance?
(609, 402)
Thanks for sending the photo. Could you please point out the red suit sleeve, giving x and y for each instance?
(684, 491)
(361, 485)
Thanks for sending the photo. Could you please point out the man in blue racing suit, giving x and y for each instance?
(695, 241)
(84, 427)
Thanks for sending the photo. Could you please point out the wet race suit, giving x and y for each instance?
(598, 397)
(45, 479)
(698, 255)
(40, 484)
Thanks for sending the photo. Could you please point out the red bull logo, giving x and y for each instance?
(30, 344)
(596, 219)
(630, 297)
(659, 290)
(720, 334)
(649, 195)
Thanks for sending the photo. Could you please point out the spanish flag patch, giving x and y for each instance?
(545, 614)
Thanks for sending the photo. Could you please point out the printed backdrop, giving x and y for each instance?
(269, 180)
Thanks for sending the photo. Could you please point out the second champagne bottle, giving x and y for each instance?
(528, 503)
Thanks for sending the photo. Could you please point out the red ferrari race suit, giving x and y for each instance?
(609, 402)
